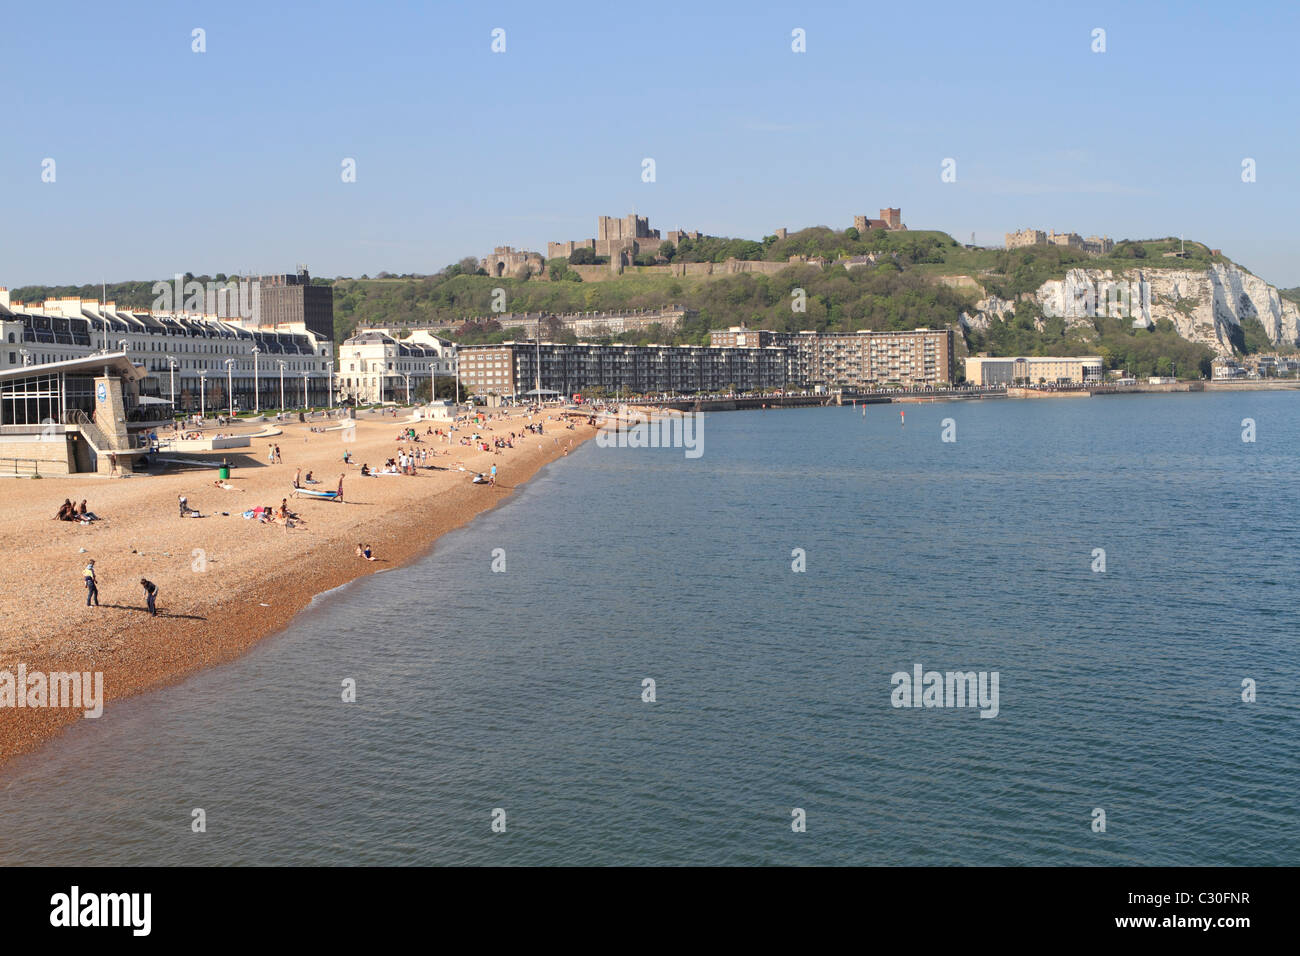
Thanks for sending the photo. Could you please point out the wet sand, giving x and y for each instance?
(225, 581)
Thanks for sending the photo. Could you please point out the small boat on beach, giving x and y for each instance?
(313, 493)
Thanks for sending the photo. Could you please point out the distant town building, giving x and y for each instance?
(289, 299)
(740, 336)
(1226, 369)
(1093, 245)
(511, 368)
(199, 345)
(377, 367)
(581, 324)
(864, 359)
(1034, 369)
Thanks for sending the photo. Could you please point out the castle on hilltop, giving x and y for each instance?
(891, 219)
(1093, 245)
(620, 240)
(507, 261)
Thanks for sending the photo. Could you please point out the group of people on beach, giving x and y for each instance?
(404, 462)
(70, 512)
(266, 514)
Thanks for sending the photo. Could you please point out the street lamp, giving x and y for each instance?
(257, 385)
(281, 363)
(433, 380)
(104, 347)
(171, 373)
(230, 385)
(330, 366)
(407, 376)
(304, 390)
(203, 394)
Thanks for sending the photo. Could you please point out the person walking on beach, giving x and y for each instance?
(112, 464)
(278, 459)
(493, 479)
(270, 454)
(92, 589)
(339, 496)
(150, 595)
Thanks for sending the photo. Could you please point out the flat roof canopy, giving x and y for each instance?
(116, 362)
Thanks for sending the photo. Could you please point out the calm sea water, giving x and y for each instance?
(522, 690)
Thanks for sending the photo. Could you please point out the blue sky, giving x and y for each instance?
(168, 160)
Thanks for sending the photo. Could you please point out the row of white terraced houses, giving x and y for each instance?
(206, 360)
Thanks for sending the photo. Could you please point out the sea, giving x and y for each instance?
(648, 658)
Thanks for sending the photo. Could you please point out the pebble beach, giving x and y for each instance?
(225, 582)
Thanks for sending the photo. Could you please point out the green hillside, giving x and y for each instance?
(901, 291)
(882, 298)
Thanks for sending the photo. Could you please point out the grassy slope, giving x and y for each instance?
(900, 293)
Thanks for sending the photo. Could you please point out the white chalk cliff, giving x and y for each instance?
(1205, 305)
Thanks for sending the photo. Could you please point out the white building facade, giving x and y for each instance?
(197, 360)
(376, 367)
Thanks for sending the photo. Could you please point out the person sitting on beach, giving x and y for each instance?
(86, 517)
(363, 551)
(284, 510)
(226, 486)
(65, 511)
(365, 471)
(309, 480)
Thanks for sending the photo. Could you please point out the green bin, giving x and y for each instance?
(224, 472)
